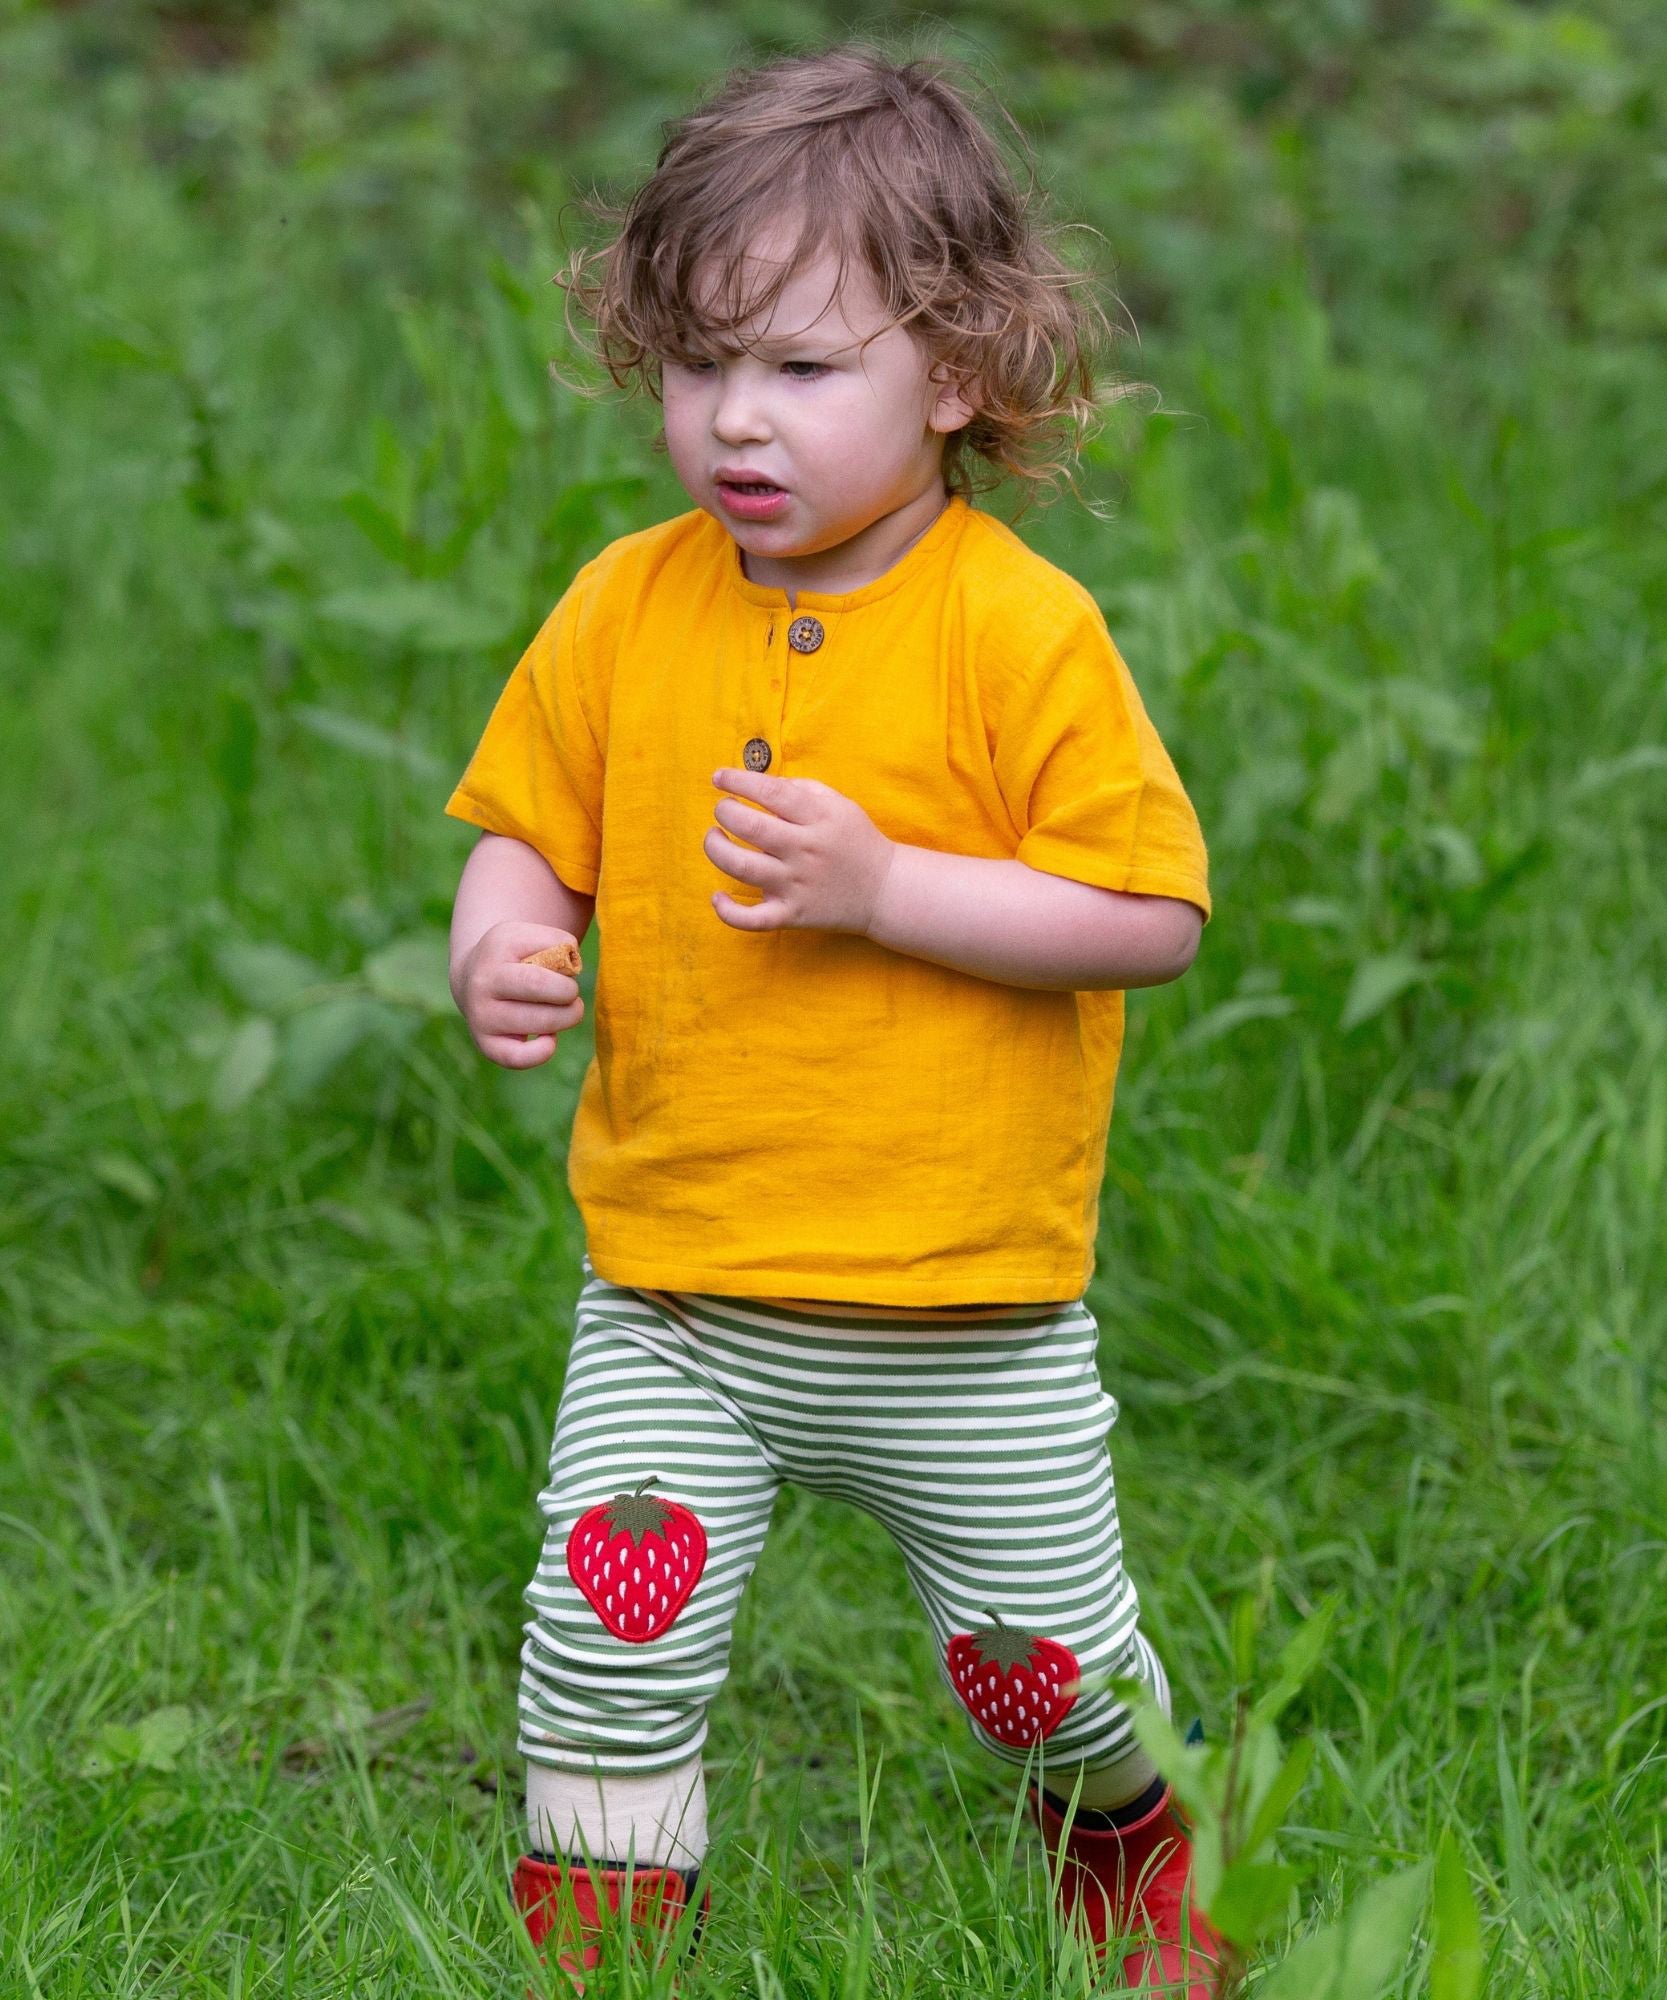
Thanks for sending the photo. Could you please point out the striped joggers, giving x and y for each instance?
(978, 1441)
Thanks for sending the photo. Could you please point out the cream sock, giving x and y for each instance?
(1114, 1785)
(1111, 1786)
(658, 1819)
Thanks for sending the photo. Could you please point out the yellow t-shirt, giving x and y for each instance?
(806, 1114)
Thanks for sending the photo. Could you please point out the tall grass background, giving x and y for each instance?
(287, 1269)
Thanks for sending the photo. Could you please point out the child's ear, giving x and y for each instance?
(957, 401)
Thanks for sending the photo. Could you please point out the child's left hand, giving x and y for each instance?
(822, 862)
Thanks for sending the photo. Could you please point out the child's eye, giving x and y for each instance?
(695, 363)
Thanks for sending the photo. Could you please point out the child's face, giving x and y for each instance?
(846, 438)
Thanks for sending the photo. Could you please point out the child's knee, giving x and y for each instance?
(629, 1638)
(1050, 1702)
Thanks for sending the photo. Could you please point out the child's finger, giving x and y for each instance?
(762, 829)
(515, 979)
(765, 916)
(515, 1052)
(746, 864)
(787, 798)
(525, 1017)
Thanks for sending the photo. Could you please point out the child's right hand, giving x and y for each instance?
(505, 1002)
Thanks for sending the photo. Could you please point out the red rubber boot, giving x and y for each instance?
(574, 1908)
(1134, 1881)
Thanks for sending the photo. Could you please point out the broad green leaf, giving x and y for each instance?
(1244, 1623)
(1230, 1014)
(263, 973)
(236, 748)
(1600, 774)
(1261, 792)
(581, 509)
(1461, 859)
(525, 398)
(317, 1040)
(245, 1065)
(116, 1749)
(1528, 633)
(1276, 1800)
(162, 1735)
(1183, 1764)
(1379, 1928)
(1357, 1957)
(365, 739)
(1157, 1733)
(1349, 773)
(379, 527)
(1378, 981)
(126, 1176)
(413, 971)
(1252, 1896)
(1456, 1969)
(1297, 1661)
(151, 1744)
(1311, 1971)
(1316, 912)
(430, 617)
(1348, 561)
(1430, 713)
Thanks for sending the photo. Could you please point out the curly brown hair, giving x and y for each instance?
(883, 160)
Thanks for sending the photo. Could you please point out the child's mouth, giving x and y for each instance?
(752, 500)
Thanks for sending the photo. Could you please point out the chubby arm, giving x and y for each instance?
(509, 903)
(821, 861)
(1008, 921)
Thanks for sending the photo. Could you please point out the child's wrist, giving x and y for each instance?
(878, 895)
(881, 927)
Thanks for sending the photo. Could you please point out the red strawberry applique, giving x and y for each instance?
(1017, 1684)
(637, 1559)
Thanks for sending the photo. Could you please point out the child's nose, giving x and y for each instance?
(740, 411)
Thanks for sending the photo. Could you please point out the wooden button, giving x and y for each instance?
(804, 635)
(756, 756)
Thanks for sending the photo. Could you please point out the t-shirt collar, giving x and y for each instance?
(938, 539)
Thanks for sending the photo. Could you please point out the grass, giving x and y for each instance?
(287, 1270)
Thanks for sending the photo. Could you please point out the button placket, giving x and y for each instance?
(805, 635)
(759, 751)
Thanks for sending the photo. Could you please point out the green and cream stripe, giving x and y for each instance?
(979, 1443)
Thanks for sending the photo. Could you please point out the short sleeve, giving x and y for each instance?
(1086, 777)
(536, 773)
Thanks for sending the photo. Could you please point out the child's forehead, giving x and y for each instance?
(775, 291)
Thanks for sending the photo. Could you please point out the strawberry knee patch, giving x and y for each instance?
(1017, 1685)
(637, 1558)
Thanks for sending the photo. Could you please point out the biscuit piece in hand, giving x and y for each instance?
(557, 958)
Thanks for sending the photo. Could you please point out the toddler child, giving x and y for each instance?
(876, 832)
